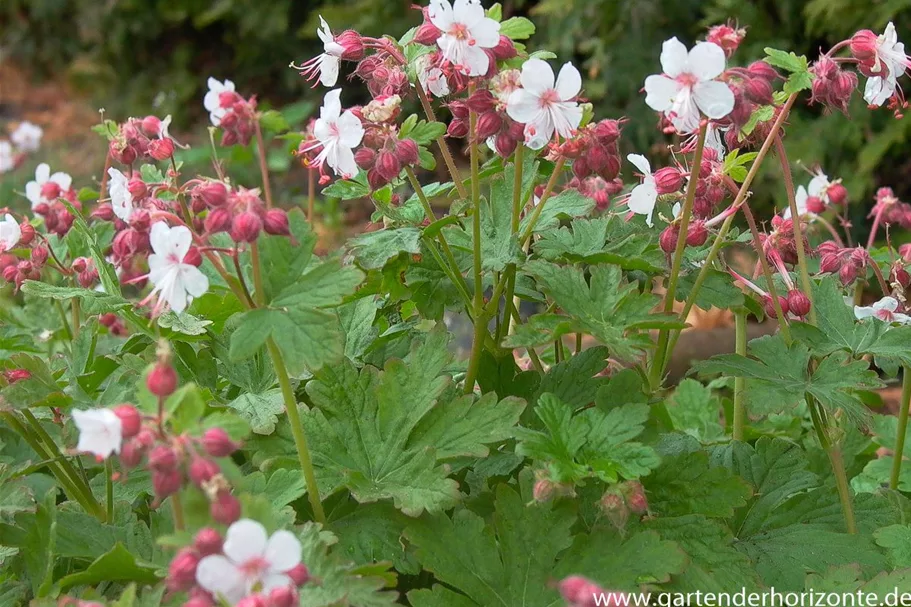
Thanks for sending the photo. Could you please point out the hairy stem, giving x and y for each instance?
(844, 491)
(798, 229)
(740, 347)
(480, 322)
(263, 165)
(441, 143)
(548, 190)
(109, 487)
(899, 451)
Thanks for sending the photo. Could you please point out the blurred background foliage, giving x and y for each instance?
(139, 56)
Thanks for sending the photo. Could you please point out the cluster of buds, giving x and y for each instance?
(781, 241)
(493, 125)
(16, 271)
(578, 591)
(114, 324)
(712, 188)
(848, 263)
(384, 75)
(890, 210)
(728, 36)
(383, 155)
(832, 86)
(232, 113)
(621, 500)
(696, 235)
(752, 87)
(598, 189)
(546, 489)
(139, 138)
(241, 212)
(85, 271)
(57, 217)
(595, 150)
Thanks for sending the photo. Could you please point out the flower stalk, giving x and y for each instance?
(898, 453)
(740, 347)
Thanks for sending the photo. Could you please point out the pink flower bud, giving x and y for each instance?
(761, 69)
(218, 220)
(769, 307)
(668, 180)
(138, 188)
(246, 227)
(758, 90)
(581, 168)
(726, 37)
(829, 263)
(579, 591)
(427, 34)
(352, 45)
(207, 541)
(130, 420)
(815, 204)
(505, 144)
(284, 596)
(193, 257)
(863, 45)
(79, 264)
(481, 102)
(253, 600)
(151, 126)
(838, 194)
(488, 125)
(50, 190)
(275, 222)
(199, 601)
(104, 212)
(300, 575)
(217, 443)
(607, 131)
(375, 180)
(9, 273)
(225, 509)
(202, 470)
(387, 166)
(182, 570)
(14, 375)
(847, 274)
(614, 508)
(141, 220)
(668, 239)
(131, 453)
(543, 490)
(505, 49)
(458, 128)
(900, 275)
(798, 303)
(407, 152)
(365, 158)
(635, 497)
(161, 149)
(212, 193)
(162, 380)
(39, 255)
(162, 457)
(696, 234)
(166, 482)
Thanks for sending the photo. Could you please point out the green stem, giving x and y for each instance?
(798, 229)
(177, 512)
(441, 143)
(480, 322)
(109, 487)
(535, 360)
(740, 347)
(311, 195)
(76, 316)
(519, 167)
(263, 165)
(899, 451)
(767, 272)
(844, 491)
(259, 293)
(64, 320)
(548, 190)
(297, 431)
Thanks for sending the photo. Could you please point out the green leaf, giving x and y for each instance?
(272, 120)
(517, 28)
(611, 311)
(686, 484)
(92, 302)
(39, 390)
(696, 411)
(718, 290)
(837, 328)
(591, 444)
(600, 240)
(260, 410)
(569, 203)
(897, 540)
(372, 533)
(506, 562)
(346, 189)
(425, 132)
(373, 249)
(761, 114)
(577, 381)
(324, 286)
(184, 323)
(786, 61)
(284, 258)
(118, 565)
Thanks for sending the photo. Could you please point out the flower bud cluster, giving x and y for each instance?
(142, 138)
(832, 86)
(848, 263)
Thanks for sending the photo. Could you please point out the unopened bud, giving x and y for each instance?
(900, 275)
(217, 443)
(253, 600)
(202, 470)
(182, 570)
(668, 239)
(758, 90)
(427, 34)
(218, 220)
(207, 541)
(864, 45)
(225, 509)
(761, 69)
(131, 453)
(275, 222)
(151, 126)
(387, 166)
(769, 307)
(815, 205)
(543, 490)
(14, 375)
(847, 274)
(798, 303)
(137, 188)
(837, 193)
(300, 575)
(161, 149)
(488, 125)
(130, 420)
(407, 152)
(668, 180)
(696, 234)
(166, 482)
(481, 102)
(365, 158)
(283, 596)
(162, 380)
(246, 227)
(162, 457)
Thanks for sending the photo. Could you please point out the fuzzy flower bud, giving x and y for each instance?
(207, 541)
(162, 380)
(815, 204)
(761, 69)
(365, 158)
(246, 227)
(161, 149)
(202, 470)
(727, 37)
(769, 307)
(284, 596)
(182, 570)
(696, 234)
(387, 166)
(166, 482)
(798, 303)
(225, 508)
(218, 220)
(407, 152)
(837, 193)
(758, 90)
(300, 575)
(668, 239)
(668, 180)
(130, 420)
(275, 222)
(864, 45)
(217, 443)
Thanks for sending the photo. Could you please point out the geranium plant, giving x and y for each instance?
(198, 410)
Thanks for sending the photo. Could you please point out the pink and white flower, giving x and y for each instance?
(7, 158)
(251, 562)
(431, 77)
(466, 32)
(543, 106)
(338, 134)
(121, 199)
(644, 196)
(325, 66)
(175, 282)
(27, 136)
(100, 432)
(889, 63)
(10, 233)
(212, 100)
(687, 89)
(884, 309)
(817, 188)
(46, 188)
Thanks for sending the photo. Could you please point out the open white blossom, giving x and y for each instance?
(466, 32)
(890, 63)
(37, 193)
(175, 282)
(817, 187)
(7, 158)
(212, 100)
(121, 199)
(644, 196)
(687, 89)
(884, 309)
(100, 432)
(251, 563)
(338, 134)
(545, 106)
(10, 233)
(27, 136)
(324, 66)
(431, 78)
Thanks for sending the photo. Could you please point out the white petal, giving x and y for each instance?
(537, 76)
(218, 575)
(100, 431)
(33, 193)
(706, 60)
(861, 312)
(343, 163)
(486, 32)
(641, 163)
(244, 540)
(10, 233)
(332, 105)
(523, 106)
(886, 303)
(440, 13)
(159, 237)
(569, 82)
(179, 242)
(642, 201)
(566, 117)
(42, 173)
(818, 184)
(878, 90)
(62, 179)
(271, 581)
(328, 69)
(283, 552)
(660, 92)
(714, 98)
(476, 60)
(323, 31)
(537, 135)
(673, 57)
(901, 318)
(350, 130)
(467, 12)
(194, 281)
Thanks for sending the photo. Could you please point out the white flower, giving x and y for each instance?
(212, 102)
(644, 196)
(251, 562)
(338, 133)
(884, 309)
(7, 159)
(688, 85)
(27, 136)
(431, 78)
(176, 282)
(100, 432)
(890, 62)
(10, 233)
(714, 140)
(42, 177)
(466, 32)
(121, 199)
(543, 106)
(326, 65)
(817, 187)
